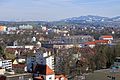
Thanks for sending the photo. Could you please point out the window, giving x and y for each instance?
(21, 77)
(50, 78)
(61, 78)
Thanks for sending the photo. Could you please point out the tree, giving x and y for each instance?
(1, 51)
(9, 56)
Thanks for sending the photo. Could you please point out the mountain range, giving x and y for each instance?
(92, 18)
(82, 20)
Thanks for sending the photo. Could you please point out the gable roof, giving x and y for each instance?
(39, 78)
(101, 41)
(96, 42)
(43, 69)
(90, 43)
(107, 36)
(15, 62)
(19, 66)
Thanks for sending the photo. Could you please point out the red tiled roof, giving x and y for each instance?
(18, 65)
(101, 41)
(96, 41)
(90, 43)
(107, 36)
(39, 78)
(43, 69)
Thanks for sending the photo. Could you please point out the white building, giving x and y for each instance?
(44, 28)
(44, 61)
(7, 64)
(45, 73)
(11, 28)
(3, 28)
(29, 47)
(2, 71)
(25, 27)
(106, 37)
(33, 39)
(38, 44)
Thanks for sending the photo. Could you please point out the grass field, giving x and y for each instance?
(102, 75)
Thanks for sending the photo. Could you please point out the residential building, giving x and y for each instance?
(44, 72)
(41, 58)
(7, 64)
(11, 28)
(106, 37)
(73, 39)
(3, 28)
(25, 27)
(24, 76)
(44, 28)
(92, 44)
(2, 71)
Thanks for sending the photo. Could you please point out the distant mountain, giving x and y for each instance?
(82, 20)
(116, 18)
(89, 18)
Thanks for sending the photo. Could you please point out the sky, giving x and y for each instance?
(51, 10)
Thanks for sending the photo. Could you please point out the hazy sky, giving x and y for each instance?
(56, 9)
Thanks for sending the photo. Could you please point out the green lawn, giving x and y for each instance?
(102, 75)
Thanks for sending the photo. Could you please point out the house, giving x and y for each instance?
(3, 28)
(6, 67)
(33, 39)
(19, 68)
(102, 41)
(60, 77)
(44, 72)
(42, 66)
(11, 28)
(2, 71)
(19, 65)
(44, 28)
(62, 45)
(45, 58)
(106, 37)
(25, 27)
(92, 44)
(20, 51)
(23, 76)
(7, 64)
(73, 39)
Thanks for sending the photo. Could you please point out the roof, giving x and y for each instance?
(2, 77)
(18, 66)
(117, 57)
(96, 41)
(87, 50)
(61, 76)
(43, 69)
(15, 62)
(39, 78)
(90, 43)
(101, 41)
(107, 36)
